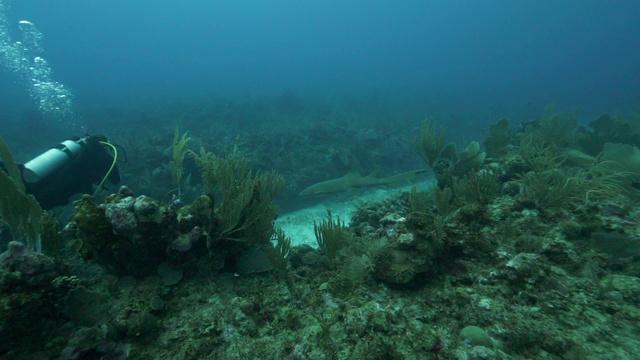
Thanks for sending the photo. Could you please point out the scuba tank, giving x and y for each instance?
(53, 159)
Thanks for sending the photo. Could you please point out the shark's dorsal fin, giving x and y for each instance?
(374, 175)
(353, 172)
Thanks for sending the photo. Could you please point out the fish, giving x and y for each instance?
(353, 181)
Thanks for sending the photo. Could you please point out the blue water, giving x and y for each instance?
(493, 58)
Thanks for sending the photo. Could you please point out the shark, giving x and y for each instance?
(353, 181)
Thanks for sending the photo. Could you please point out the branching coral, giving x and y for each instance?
(330, 235)
(431, 142)
(476, 187)
(499, 139)
(554, 127)
(246, 212)
(574, 188)
(180, 148)
(279, 252)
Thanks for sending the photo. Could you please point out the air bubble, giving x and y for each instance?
(23, 57)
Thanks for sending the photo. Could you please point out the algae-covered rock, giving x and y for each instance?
(400, 262)
(169, 274)
(88, 308)
(474, 336)
(32, 287)
(90, 227)
(145, 208)
(121, 216)
(185, 241)
(627, 158)
(25, 267)
(157, 304)
(525, 268)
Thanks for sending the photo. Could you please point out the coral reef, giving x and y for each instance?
(32, 290)
(520, 255)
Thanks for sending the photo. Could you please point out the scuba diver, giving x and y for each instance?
(70, 168)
